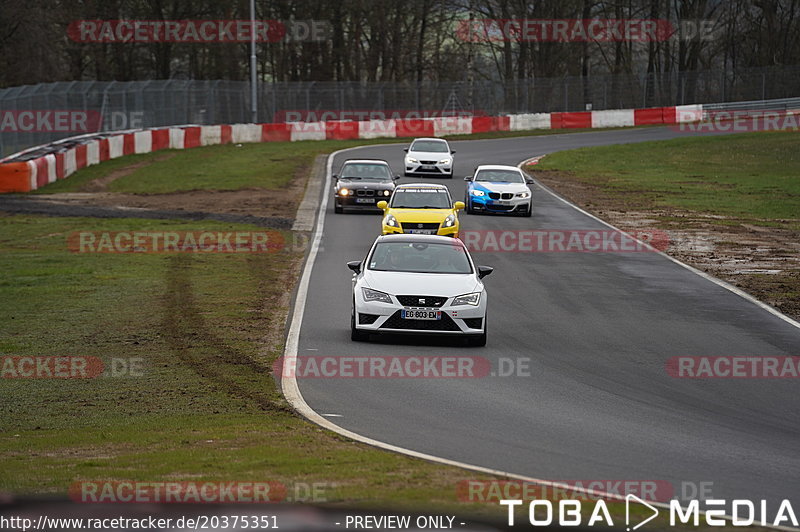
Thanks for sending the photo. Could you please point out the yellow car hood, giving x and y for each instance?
(420, 215)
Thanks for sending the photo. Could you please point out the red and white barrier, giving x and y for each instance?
(452, 125)
(376, 129)
(36, 173)
(688, 113)
(616, 118)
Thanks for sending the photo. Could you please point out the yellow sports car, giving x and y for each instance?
(423, 209)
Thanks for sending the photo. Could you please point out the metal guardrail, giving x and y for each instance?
(780, 104)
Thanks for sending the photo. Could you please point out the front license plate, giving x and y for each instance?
(421, 232)
(428, 167)
(365, 200)
(421, 314)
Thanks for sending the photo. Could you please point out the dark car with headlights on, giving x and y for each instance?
(362, 183)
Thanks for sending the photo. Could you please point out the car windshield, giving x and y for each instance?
(435, 146)
(373, 171)
(420, 257)
(421, 198)
(499, 176)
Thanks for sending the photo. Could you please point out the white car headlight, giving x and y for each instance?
(524, 195)
(391, 221)
(444, 161)
(450, 221)
(387, 192)
(467, 299)
(478, 193)
(411, 160)
(343, 192)
(374, 295)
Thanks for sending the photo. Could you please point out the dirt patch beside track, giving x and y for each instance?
(101, 184)
(251, 201)
(762, 260)
(275, 208)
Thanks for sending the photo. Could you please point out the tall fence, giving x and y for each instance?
(113, 106)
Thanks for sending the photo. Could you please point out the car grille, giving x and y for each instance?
(362, 192)
(444, 324)
(367, 319)
(434, 170)
(473, 323)
(501, 208)
(414, 301)
(421, 225)
(427, 162)
(498, 195)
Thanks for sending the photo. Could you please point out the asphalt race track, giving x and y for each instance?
(598, 329)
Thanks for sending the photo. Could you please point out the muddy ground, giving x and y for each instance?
(273, 208)
(763, 261)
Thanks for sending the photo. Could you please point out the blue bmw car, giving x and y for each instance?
(500, 189)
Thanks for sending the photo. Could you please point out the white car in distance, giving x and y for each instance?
(429, 157)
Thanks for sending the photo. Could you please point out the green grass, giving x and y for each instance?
(754, 176)
(268, 165)
(205, 405)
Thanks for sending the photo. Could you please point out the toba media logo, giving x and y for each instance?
(716, 513)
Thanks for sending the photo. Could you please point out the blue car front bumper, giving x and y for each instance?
(486, 204)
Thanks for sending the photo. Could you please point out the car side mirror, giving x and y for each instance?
(405, 150)
(336, 177)
(382, 205)
(458, 205)
(355, 265)
(468, 178)
(529, 180)
(483, 271)
(453, 152)
(396, 177)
